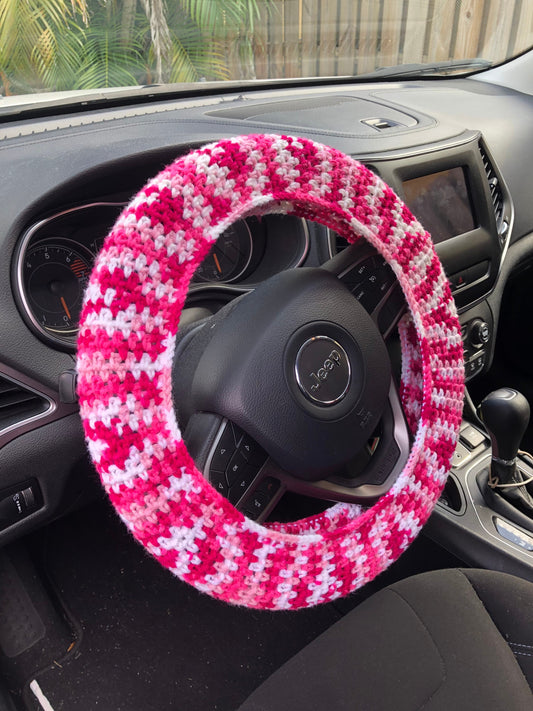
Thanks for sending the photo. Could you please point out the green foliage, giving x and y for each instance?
(56, 57)
(194, 58)
(211, 15)
(29, 30)
(52, 45)
(105, 59)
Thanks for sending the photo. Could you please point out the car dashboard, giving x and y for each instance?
(457, 151)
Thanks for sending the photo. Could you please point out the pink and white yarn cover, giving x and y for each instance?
(125, 354)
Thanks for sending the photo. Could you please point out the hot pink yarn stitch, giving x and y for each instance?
(125, 353)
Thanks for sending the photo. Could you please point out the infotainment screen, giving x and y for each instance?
(441, 202)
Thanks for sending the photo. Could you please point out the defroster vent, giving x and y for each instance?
(18, 403)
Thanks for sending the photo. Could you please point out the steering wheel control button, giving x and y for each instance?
(225, 448)
(235, 461)
(241, 484)
(257, 503)
(323, 370)
(369, 281)
(269, 487)
(236, 467)
(218, 482)
(251, 451)
(260, 499)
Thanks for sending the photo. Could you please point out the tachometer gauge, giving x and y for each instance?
(230, 256)
(54, 274)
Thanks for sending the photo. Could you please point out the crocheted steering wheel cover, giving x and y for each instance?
(125, 353)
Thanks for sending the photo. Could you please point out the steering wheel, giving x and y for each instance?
(281, 389)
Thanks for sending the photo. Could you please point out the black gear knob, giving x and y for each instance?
(505, 413)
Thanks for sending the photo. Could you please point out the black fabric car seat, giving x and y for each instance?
(442, 641)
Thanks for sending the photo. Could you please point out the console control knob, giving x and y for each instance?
(479, 333)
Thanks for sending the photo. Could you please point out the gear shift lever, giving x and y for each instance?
(505, 413)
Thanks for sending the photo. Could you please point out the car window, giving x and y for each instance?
(63, 45)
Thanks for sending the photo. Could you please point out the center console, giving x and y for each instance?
(457, 192)
(473, 518)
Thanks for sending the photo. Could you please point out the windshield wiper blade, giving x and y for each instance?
(432, 69)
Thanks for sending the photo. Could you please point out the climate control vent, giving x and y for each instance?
(18, 403)
(496, 191)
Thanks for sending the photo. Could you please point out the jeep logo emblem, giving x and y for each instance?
(334, 359)
(322, 370)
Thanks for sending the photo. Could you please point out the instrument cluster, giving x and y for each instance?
(55, 257)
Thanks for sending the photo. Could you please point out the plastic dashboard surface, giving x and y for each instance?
(51, 166)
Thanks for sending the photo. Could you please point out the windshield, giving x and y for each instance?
(61, 45)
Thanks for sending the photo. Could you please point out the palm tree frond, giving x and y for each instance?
(65, 44)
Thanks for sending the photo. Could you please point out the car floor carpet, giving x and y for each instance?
(34, 632)
(145, 641)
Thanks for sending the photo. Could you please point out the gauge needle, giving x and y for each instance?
(64, 305)
(217, 263)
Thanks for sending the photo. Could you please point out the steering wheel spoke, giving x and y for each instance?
(363, 481)
(234, 464)
(243, 472)
(368, 276)
(372, 471)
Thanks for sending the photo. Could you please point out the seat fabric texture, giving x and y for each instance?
(441, 641)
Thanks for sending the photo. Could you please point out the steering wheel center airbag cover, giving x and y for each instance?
(126, 344)
(323, 370)
(247, 372)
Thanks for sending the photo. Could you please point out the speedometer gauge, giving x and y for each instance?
(230, 257)
(55, 273)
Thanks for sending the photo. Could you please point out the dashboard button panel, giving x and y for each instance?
(476, 334)
(472, 437)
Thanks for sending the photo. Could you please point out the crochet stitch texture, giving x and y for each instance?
(125, 353)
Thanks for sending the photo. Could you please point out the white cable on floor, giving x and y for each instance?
(41, 698)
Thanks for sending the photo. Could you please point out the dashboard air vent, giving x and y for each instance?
(496, 192)
(18, 403)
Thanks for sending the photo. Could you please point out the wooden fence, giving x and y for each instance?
(299, 38)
